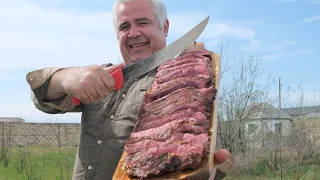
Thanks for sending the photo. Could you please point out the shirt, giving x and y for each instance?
(105, 125)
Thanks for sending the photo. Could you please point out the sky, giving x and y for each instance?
(35, 34)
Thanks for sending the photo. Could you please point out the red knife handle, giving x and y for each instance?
(118, 78)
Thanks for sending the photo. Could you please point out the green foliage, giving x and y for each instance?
(45, 163)
(39, 163)
(260, 169)
(5, 156)
(259, 166)
(21, 160)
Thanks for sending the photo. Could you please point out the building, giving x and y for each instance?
(11, 119)
(266, 123)
(307, 119)
(310, 112)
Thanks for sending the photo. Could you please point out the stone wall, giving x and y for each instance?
(48, 134)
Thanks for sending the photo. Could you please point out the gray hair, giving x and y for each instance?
(159, 9)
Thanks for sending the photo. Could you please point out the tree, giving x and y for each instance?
(304, 135)
(238, 90)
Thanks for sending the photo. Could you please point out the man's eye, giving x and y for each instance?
(143, 22)
(123, 28)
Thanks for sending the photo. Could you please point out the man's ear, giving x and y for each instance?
(166, 27)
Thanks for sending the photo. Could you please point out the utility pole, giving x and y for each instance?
(279, 105)
(280, 138)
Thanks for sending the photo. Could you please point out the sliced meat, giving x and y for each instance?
(164, 132)
(186, 58)
(178, 137)
(172, 130)
(157, 165)
(196, 117)
(195, 64)
(160, 90)
(199, 70)
(175, 100)
(167, 157)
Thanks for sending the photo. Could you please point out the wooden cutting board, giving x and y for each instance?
(207, 164)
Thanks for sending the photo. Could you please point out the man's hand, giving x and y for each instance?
(220, 156)
(88, 84)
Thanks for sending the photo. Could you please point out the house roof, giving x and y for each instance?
(265, 111)
(314, 115)
(298, 111)
(10, 119)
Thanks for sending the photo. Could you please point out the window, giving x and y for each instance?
(278, 128)
(251, 128)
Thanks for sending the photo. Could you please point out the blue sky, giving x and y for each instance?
(36, 34)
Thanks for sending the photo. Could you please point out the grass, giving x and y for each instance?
(40, 163)
(48, 163)
(308, 171)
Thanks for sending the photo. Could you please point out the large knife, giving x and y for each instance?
(165, 54)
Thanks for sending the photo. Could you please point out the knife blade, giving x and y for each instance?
(165, 54)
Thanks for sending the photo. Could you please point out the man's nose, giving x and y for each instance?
(134, 32)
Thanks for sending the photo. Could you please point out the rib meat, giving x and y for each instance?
(172, 131)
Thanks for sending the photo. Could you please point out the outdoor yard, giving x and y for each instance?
(50, 163)
(307, 172)
(37, 163)
(261, 164)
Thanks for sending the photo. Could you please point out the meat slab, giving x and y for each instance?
(172, 131)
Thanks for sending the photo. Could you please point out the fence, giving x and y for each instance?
(50, 134)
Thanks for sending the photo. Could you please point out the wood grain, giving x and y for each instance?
(207, 164)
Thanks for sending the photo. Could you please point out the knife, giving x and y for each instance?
(144, 66)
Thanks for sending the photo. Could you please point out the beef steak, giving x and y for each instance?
(172, 131)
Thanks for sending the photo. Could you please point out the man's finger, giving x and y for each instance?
(92, 94)
(84, 98)
(113, 68)
(221, 156)
(108, 81)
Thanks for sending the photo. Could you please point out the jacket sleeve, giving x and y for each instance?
(38, 81)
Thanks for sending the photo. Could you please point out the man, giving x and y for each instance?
(108, 117)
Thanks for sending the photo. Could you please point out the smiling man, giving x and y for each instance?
(108, 117)
(139, 31)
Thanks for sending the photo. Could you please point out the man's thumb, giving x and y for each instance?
(110, 69)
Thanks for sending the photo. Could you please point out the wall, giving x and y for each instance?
(264, 134)
(17, 133)
(312, 127)
(269, 126)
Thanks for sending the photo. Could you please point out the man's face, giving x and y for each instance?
(138, 31)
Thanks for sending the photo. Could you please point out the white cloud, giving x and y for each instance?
(309, 20)
(298, 52)
(291, 42)
(293, 98)
(8, 78)
(294, 53)
(213, 29)
(220, 29)
(303, 1)
(296, 94)
(287, 1)
(254, 45)
(310, 98)
(269, 47)
(35, 37)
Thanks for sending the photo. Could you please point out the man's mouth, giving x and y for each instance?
(138, 45)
